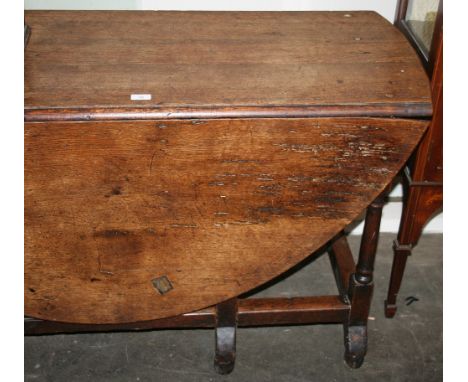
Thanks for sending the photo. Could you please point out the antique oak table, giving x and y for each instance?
(176, 160)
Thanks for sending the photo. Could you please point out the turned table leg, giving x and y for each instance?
(361, 287)
(225, 336)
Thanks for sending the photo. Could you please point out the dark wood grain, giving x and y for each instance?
(216, 207)
(86, 64)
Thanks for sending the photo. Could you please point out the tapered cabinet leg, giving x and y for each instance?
(420, 204)
(361, 288)
(225, 336)
(401, 253)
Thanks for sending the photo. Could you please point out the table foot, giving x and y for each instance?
(390, 309)
(355, 345)
(225, 350)
(225, 336)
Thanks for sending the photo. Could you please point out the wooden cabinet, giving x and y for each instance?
(423, 177)
(175, 160)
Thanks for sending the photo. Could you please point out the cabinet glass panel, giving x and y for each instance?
(420, 18)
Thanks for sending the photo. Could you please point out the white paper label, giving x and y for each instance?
(140, 97)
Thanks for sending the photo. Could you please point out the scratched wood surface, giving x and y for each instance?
(131, 221)
(219, 64)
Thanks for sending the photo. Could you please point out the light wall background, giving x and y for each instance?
(385, 7)
(392, 210)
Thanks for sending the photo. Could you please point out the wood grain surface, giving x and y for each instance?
(133, 221)
(85, 65)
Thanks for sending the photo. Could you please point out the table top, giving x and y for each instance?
(136, 220)
(88, 64)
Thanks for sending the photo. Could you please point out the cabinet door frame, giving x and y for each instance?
(428, 58)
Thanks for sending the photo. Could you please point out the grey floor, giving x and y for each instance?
(406, 348)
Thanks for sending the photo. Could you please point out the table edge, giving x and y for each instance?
(396, 110)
